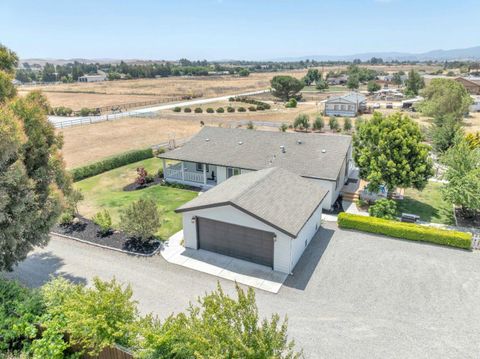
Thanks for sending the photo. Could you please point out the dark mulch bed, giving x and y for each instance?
(463, 221)
(135, 187)
(88, 231)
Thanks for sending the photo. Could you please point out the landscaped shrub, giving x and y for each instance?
(283, 127)
(177, 109)
(230, 109)
(160, 172)
(187, 110)
(252, 108)
(141, 219)
(141, 176)
(241, 109)
(198, 110)
(318, 124)
(347, 124)
(403, 230)
(383, 208)
(210, 110)
(220, 110)
(66, 218)
(62, 111)
(292, 103)
(264, 105)
(333, 124)
(250, 125)
(302, 122)
(110, 163)
(104, 221)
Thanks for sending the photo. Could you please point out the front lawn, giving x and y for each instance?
(105, 191)
(428, 204)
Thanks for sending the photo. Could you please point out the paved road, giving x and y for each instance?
(352, 295)
(169, 106)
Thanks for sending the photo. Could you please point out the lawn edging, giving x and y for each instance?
(411, 231)
(110, 163)
(108, 247)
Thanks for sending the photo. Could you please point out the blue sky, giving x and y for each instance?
(234, 29)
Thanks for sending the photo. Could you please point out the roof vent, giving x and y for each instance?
(240, 142)
(207, 139)
(283, 149)
(299, 142)
(324, 150)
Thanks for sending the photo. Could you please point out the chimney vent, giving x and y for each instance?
(324, 150)
(283, 149)
(207, 139)
(299, 142)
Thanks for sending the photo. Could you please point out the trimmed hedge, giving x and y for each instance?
(110, 163)
(403, 230)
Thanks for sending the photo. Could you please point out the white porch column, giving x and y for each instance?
(204, 174)
(183, 171)
(164, 166)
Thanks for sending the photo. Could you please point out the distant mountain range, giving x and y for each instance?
(471, 53)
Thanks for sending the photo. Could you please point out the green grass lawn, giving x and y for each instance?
(428, 204)
(105, 191)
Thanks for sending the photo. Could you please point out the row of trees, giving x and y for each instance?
(66, 320)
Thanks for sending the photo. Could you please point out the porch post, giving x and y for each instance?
(164, 166)
(204, 174)
(183, 171)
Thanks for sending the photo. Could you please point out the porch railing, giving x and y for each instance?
(189, 176)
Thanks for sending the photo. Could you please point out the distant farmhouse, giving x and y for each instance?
(337, 80)
(346, 106)
(472, 84)
(93, 78)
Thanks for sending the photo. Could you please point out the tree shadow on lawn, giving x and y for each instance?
(39, 268)
(427, 212)
(308, 262)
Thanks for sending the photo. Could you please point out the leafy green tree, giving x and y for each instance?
(414, 83)
(321, 84)
(333, 123)
(444, 132)
(286, 87)
(383, 208)
(7, 89)
(243, 73)
(444, 97)
(312, 76)
(353, 82)
(347, 124)
(217, 327)
(8, 60)
(372, 86)
(318, 124)
(292, 103)
(141, 219)
(33, 181)
(463, 176)
(397, 78)
(302, 122)
(94, 317)
(389, 150)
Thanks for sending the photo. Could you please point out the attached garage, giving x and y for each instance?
(266, 217)
(232, 240)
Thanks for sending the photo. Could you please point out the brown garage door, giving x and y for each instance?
(236, 241)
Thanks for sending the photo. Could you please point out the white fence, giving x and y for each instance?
(188, 176)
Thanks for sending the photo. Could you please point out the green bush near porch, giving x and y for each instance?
(402, 230)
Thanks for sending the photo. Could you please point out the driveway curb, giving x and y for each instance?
(107, 247)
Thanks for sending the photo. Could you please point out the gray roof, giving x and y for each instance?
(275, 196)
(316, 156)
(353, 97)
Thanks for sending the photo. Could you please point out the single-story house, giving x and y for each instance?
(472, 84)
(475, 107)
(348, 105)
(337, 80)
(93, 78)
(267, 217)
(216, 154)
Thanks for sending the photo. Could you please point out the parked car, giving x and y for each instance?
(376, 105)
(389, 105)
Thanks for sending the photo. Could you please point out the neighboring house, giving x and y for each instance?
(388, 95)
(475, 107)
(346, 106)
(266, 217)
(216, 154)
(92, 78)
(337, 80)
(472, 84)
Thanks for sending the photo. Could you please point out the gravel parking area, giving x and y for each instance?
(352, 295)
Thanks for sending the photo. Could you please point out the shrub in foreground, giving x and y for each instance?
(410, 231)
(177, 109)
(198, 110)
(141, 219)
(220, 110)
(110, 163)
(104, 221)
(241, 109)
(383, 208)
(187, 110)
(210, 110)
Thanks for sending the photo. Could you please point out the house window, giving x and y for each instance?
(232, 171)
(344, 107)
(200, 167)
(336, 107)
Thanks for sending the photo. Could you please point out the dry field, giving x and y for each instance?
(97, 94)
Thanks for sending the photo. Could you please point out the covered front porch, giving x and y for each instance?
(190, 173)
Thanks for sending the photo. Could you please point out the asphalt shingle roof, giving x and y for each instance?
(306, 154)
(275, 196)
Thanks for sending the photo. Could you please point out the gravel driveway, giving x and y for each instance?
(352, 295)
